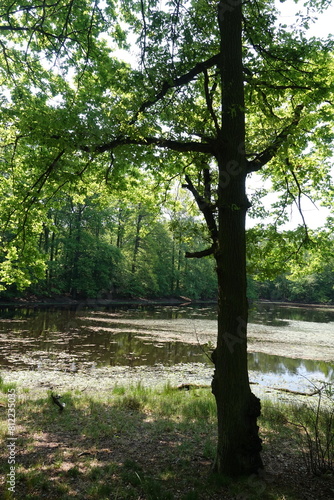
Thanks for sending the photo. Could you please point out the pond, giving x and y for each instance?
(288, 346)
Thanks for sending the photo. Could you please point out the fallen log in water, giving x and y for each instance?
(298, 393)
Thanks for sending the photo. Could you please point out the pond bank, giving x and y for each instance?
(298, 305)
(67, 301)
(104, 380)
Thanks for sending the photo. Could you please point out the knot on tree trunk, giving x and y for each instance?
(214, 377)
(254, 409)
(254, 444)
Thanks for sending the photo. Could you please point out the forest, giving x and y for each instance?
(107, 246)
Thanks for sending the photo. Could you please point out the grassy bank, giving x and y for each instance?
(146, 444)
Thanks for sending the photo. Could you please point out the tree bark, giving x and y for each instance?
(239, 446)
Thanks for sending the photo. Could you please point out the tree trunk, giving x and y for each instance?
(120, 228)
(173, 266)
(239, 446)
(137, 240)
(74, 277)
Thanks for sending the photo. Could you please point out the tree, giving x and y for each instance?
(309, 278)
(221, 95)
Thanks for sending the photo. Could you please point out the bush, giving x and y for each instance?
(316, 438)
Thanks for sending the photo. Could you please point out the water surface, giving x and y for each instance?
(76, 339)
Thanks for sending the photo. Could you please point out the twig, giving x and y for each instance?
(56, 401)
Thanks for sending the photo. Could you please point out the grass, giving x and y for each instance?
(147, 444)
(5, 387)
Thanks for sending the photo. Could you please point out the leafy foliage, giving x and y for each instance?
(75, 116)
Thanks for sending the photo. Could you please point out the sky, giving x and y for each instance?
(322, 27)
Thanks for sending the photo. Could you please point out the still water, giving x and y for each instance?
(74, 339)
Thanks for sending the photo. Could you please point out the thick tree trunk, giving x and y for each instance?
(239, 446)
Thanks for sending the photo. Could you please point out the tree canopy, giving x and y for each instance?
(74, 113)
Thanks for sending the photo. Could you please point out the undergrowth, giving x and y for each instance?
(136, 442)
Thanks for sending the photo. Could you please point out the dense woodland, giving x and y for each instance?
(105, 246)
(113, 249)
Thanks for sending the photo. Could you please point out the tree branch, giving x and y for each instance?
(178, 82)
(300, 193)
(205, 207)
(260, 83)
(201, 253)
(160, 142)
(263, 158)
(207, 183)
(209, 101)
(12, 28)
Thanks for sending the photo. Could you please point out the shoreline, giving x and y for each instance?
(297, 305)
(64, 301)
(35, 384)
